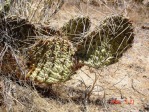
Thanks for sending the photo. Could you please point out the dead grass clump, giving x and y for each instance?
(36, 12)
(11, 95)
(16, 32)
(16, 97)
(16, 35)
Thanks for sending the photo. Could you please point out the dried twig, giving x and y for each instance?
(132, 85)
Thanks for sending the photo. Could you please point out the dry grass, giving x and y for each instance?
(89, 89)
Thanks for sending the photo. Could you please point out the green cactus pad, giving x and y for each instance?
(107, 42)
(118, 32)
(76, 27)
(51, 61)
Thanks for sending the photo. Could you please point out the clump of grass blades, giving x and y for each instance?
(39, 12)
(16, 32)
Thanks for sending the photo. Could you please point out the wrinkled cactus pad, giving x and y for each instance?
(118, 32)
(107, 42)
(51, 61)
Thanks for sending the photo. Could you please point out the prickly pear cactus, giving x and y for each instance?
(106, 44)
(76, 27)
(118, 30)
(51, 61)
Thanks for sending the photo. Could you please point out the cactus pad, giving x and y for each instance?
(107, 42)
(76, 27)
(118, 32)
(51, 61)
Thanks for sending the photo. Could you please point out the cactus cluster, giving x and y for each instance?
(51, 61)
(54, 59)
